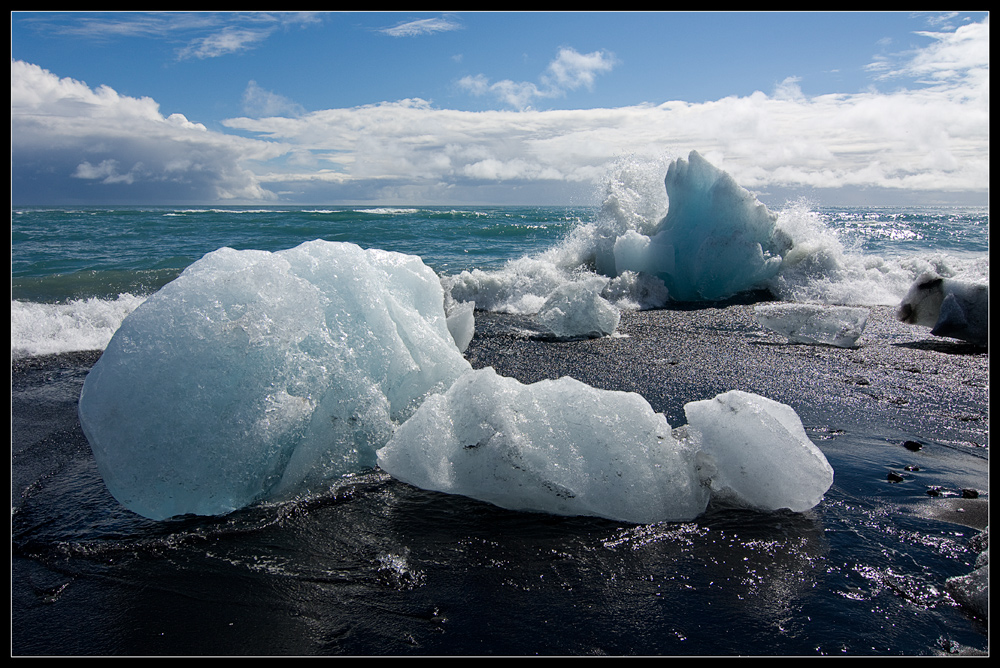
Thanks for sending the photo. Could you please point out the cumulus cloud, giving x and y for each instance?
(904, 140)
(930, 134)
(74, 142)
(569, 70)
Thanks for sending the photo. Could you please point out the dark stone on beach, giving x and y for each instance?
(935, 491)
(970, 494)
(912, 445)
(894, 477)
(981, 541)
(972, 591)
(911, 467)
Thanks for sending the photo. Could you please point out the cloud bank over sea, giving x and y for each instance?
(87, 142)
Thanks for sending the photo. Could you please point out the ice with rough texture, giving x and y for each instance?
(255, 375)
(952, 308)
(839, 326)
(577, 310)
(566, 448)
(694, 234)
(760, 451)
(555, 446)
(715, 241)
(462, 323)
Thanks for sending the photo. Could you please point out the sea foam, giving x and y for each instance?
(81, 324)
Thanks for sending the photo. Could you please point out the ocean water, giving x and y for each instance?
(76, 272)
(379, 567)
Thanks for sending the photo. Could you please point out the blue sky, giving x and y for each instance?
(499, 108)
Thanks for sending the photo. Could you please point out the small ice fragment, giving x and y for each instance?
(577, 310)
(762, 455)
(839, 326)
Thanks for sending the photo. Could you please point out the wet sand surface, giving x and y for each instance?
(379, 567)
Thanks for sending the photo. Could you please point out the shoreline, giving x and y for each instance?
(914, 388)
(898, 385)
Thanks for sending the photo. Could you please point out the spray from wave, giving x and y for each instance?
(81, 324)
(708, 240)
(633, 200)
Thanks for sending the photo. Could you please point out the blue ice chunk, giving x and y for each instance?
(716, 240)
(257, 375)
(555, 446)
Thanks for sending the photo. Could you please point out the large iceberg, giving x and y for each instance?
(715, 241)
(692, 235)
(563, 447)
(255, 374)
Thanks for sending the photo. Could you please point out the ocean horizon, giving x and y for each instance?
(77, 271)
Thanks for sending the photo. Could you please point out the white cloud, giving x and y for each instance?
(905, 140)
(420, 27)
(260, 102)
(65, 136)
(953, 57)
(964, 52)
(569, 70)
(226, 41)
(206, 34)
(930, 136)
(106, 172)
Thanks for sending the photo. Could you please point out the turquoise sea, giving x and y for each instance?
(77, 271)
